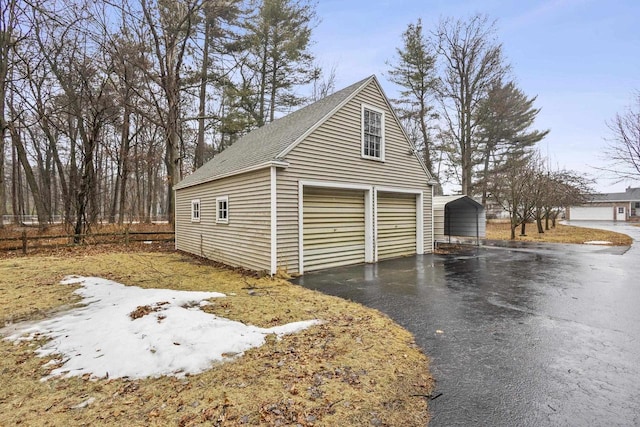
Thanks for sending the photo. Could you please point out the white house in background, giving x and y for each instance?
(608, 207)
(334, 183)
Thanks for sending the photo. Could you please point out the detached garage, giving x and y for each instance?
(335, 183)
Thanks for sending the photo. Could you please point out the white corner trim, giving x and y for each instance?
(433, 221)
(274, 222)
(300, 227)
(420, 224)
(370, 252)
(175, 219)
(374, 226)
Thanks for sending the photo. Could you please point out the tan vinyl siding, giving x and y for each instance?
(332, 152)
(396, 225)
(243, 241)
(333, 228)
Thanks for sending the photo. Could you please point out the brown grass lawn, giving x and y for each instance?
(499, 230)
(358, 368)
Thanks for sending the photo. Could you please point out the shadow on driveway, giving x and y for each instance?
(517, 337)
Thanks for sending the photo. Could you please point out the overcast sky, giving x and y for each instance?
(580, 57)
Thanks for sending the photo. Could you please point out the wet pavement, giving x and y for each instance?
(547, 336)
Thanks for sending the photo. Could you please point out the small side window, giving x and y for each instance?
(195, 210)
(222, 209)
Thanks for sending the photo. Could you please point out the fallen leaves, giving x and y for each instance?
(143, 310)
(357, 368)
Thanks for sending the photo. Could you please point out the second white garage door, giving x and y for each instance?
(334, 228)
(396, 225)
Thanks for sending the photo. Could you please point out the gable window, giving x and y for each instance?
(372, 133)
(222, 209)
(195, 210)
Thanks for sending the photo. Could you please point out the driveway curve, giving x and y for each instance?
(542, 336)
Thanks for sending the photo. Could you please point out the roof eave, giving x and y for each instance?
(279, 163)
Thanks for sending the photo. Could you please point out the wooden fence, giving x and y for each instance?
(126, 237)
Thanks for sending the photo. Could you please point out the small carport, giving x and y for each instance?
(458, 217)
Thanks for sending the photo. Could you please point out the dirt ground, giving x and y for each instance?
(358, 368)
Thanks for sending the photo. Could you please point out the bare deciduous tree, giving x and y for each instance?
(623, 147)
(171, 25)
(472, 61)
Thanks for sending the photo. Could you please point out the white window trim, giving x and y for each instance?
(382, 125)
(218, 219)
(195, 202)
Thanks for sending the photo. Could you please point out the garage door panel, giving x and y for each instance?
(396, 225)
(333, 228)
(591, 213)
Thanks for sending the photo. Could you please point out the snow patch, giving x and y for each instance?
(173, 336)
(598, 242)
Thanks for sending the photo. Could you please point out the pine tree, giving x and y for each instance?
(278, 37)
(504, 133)
(415, 73)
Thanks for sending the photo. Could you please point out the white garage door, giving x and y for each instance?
(396, 225)
(333, 228)
(591, 213)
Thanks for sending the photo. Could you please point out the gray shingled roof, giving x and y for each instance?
(264, 144)
(630, 195)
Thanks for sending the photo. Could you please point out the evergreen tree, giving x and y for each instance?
(504, 133)
(278, 38)
(415, 73)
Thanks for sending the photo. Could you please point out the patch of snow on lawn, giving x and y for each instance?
(174, 338)
(597, 242)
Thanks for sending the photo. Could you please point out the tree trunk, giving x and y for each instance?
(16, 139)
(173, 161)
(425, 138)
(124, 163)
(200, 146)
(3, 191)
(546, 221)
(539, 221)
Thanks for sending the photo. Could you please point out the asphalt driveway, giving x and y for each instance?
(517, 336)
